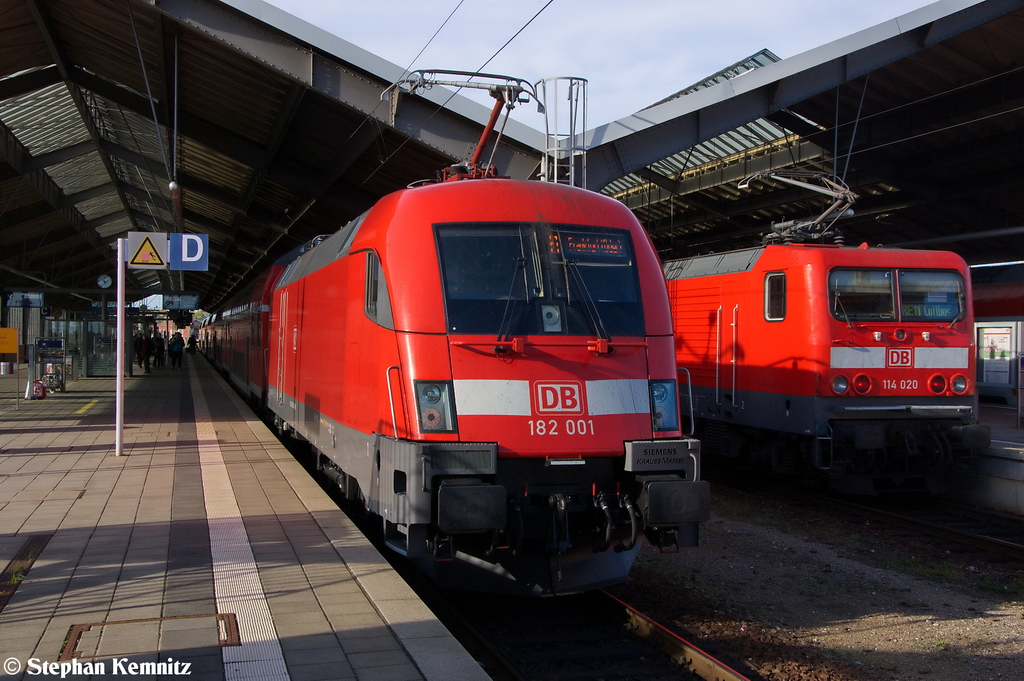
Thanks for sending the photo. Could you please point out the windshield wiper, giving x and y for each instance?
(504, 328)
(588, 302)
(842, 309)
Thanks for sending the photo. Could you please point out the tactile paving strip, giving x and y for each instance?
(235, 578)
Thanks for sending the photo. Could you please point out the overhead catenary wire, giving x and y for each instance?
(174, 144)
(441, 106)
(156, 120)
(856, 121)
(149, 92)
(145, 160)
(368, 119)
(925, 100)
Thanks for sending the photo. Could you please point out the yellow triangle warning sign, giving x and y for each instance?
(146, 255)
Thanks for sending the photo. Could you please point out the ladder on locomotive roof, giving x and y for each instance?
(565, 123)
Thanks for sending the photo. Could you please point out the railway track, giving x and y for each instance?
(587, 637)
(992, 533)
(594, 636)
(591, 636)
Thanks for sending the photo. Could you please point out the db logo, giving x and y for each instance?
(899, 357)
(564, 398)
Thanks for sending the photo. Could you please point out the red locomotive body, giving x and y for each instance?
(486, 365)
(852, 364)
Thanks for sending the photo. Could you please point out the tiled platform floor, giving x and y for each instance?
(205, 514)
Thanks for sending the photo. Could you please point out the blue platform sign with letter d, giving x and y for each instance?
(189, 251)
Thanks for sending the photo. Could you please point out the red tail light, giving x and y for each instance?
(937, 384)
(861, 384)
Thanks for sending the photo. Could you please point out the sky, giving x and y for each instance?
(633, 53)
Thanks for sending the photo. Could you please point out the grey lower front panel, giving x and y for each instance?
(522, 527)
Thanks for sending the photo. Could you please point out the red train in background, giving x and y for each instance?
(487, 366)
(855, 365)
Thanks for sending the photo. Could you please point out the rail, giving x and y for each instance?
(975, 540)
(684, 652)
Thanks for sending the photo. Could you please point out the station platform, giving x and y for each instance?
(1002, 419)
(205, 550)
(999, 484)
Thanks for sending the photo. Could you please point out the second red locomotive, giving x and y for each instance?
(855, 365)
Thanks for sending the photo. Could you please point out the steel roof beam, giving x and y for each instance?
(801, 152)
(648, 136)
(289, 109)
(356, 79)
(909, 120)
(16, 216)
(225, 199)
(86, 194)
(110, 218)
(57, 53)
(45, 245)
(918, 178)
(219, 139)
(56, 260)
(59, 156)
(25, 83)
(14, 153)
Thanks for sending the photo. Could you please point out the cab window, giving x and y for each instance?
(378, 303)
(775, 296)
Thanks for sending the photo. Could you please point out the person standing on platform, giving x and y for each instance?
(145, 352)
(175, 348)
(137, 345)
(158, 350)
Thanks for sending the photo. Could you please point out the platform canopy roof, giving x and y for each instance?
(922, 116)
(275, 132)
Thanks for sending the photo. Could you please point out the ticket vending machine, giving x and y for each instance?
(49, 363)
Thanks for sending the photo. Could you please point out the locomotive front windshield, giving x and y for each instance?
(507, 279)
(896, 295)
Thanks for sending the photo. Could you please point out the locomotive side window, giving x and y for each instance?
(517, 279)
(861, 294)
(931, 295)
(378, 303)
(775, 296)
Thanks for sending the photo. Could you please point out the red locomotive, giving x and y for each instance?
(486, 365)
(852, 364)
